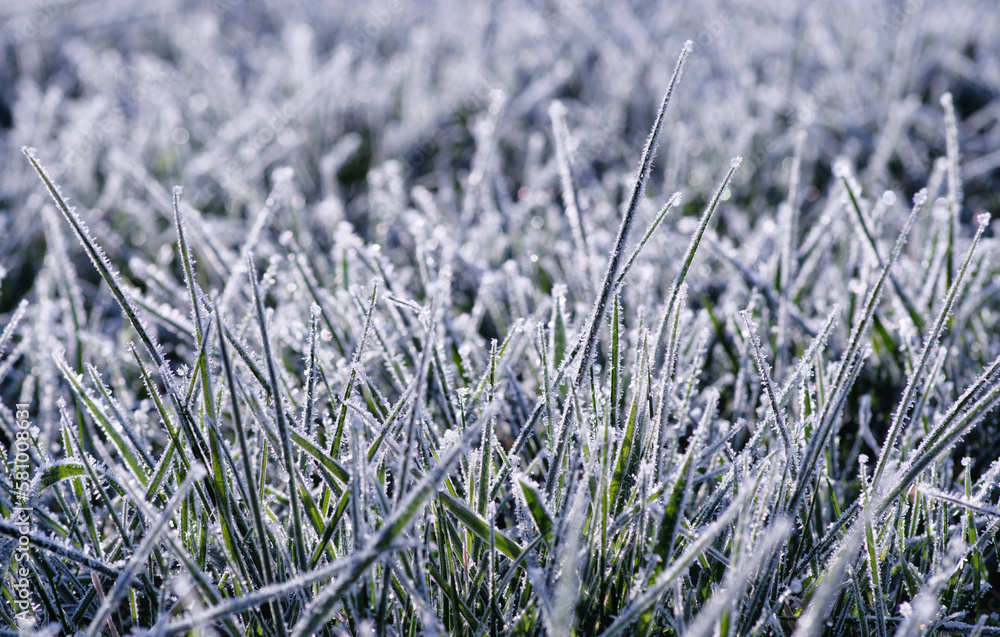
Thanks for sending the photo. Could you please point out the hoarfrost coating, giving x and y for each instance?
(432, 317)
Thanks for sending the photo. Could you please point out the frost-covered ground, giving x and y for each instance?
(453, 365)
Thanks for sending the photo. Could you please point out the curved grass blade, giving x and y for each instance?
(480, 527)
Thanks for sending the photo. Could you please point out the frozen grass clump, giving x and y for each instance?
(380, 322)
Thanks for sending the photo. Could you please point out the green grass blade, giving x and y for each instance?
(279, 411)
(480, 527)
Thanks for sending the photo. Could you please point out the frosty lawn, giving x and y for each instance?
(420, 333)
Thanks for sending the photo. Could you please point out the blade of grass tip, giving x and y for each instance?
(99, 259)
(765, 376)
(952, 426)
(849, 361)
(674, 201)
(138, 558)
(986, 482)
(300, 260)
(899, 419)
(670, 309)
(644, 600)
(535, 503)
(595, 322)
(61, 470)
(958, 500)
(481, 387)
(255, 509)
(286, 442)
(790, 217)
(355, 361)
(252, 237)
(187, 265)
(818, 343)
(954, 184)
(6, 365)
(843, 171)
(125, 302)
(557, 333)
(560, 133)
(315, 615)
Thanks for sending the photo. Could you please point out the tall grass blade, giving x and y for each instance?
(279, 411)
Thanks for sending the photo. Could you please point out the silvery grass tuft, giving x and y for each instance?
(427, 353)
